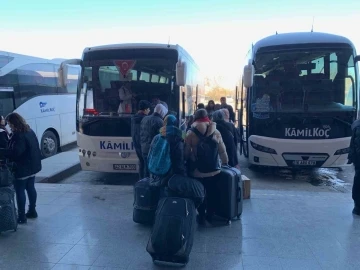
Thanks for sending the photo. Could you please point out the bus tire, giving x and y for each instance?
(49, 144)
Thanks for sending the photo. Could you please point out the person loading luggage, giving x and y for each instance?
(25, 153)
(203, 147)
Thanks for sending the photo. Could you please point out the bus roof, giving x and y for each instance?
(141, 46)
(300, 38)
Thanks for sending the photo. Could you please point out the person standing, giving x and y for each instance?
(144, 109)
(149, 127)
(354, 158)
(126, 98)
(4, 136)
(224, 105)
(24, 151)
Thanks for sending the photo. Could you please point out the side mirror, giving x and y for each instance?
(248, 75)
(63, 71)
(181, 73)
(357, 58)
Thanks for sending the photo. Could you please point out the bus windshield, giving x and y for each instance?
(108, 93)
(304, 80)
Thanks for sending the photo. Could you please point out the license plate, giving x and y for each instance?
(304, 162)
(124, 167)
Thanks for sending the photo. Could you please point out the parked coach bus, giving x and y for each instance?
(28, 86)
(154, 70)
(298, 99)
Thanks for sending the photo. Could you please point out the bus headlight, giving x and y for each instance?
(263, 148)
(342, 151)
(125, 154)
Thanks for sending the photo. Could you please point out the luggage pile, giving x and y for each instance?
(171, 209)
(8, 216)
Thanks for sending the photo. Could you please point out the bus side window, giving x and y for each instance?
(37, 79)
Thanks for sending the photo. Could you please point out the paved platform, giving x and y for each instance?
(58, 167)
(91, 227)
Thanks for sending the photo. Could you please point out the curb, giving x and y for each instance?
(57, 177)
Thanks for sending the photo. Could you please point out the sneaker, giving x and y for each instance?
(31, 214)
(356, 211)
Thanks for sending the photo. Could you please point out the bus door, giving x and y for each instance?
(7, 100)
(243, 123)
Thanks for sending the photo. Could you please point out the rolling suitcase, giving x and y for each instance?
(230, 202)
(8, 217)
(172, 236)
(146, 198)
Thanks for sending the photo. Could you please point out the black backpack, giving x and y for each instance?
(207, 159)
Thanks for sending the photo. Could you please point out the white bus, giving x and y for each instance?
(155, 70)
(298, 99)
(28, 86)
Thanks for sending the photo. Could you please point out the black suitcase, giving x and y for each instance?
(146, 198)
(8, 217)
(172, 236)
(230, 202)
(186, 187)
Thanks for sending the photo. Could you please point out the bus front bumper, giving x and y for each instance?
(109, 164)
(274, 152)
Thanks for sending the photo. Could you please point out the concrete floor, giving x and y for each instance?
(91, 227)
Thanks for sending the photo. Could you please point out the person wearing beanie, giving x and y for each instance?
(203, 125)
(149, 128)
(144, 109)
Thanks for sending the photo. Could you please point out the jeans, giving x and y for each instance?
(208, 206)
(356, 188)
(141, 164)
(20, 187)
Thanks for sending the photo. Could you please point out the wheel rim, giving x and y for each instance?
(49, 145)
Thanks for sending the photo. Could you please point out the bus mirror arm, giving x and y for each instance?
(63, 71)
(357, 58)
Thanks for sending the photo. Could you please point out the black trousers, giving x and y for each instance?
(20, 187)
(141, 164)
(356, 188)
(146, 170)
(208, 206)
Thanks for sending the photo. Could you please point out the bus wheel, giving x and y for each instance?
(49, 144)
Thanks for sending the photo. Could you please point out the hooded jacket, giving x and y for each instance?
(150, 126)
(354, 153)
(135, 129)
(192, 140)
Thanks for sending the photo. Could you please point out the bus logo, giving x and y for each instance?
(42, 104)
(308, 132)
(108, 145)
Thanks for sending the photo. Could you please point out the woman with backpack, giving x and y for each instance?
(23, 150)
(203, 147)
(175, 138)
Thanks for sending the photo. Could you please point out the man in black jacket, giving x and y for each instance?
(224, 105)
(354, 157)
(144, 109)
(149, 128)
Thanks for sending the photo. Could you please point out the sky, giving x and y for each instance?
(216, 33)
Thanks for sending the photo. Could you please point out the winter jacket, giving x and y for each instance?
(231, 112)
(354, 153)
(177, 154)
(135, 130)
(192, 140)
(149, 128)
(230, 141)
(23, 150)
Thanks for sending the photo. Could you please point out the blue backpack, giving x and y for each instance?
(159, 162)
